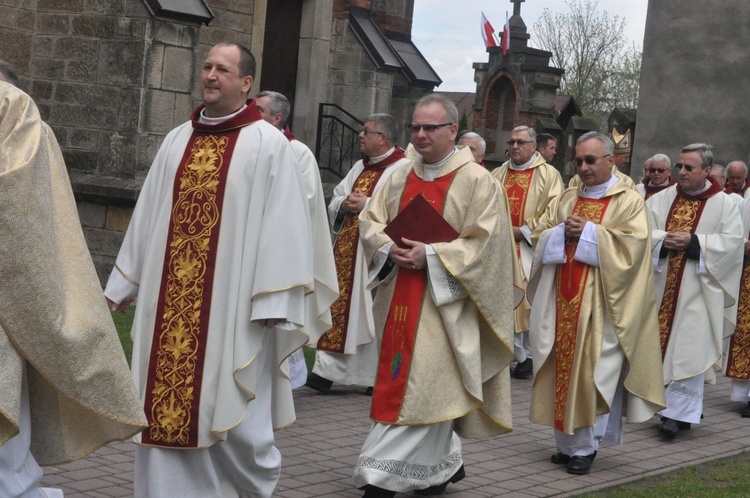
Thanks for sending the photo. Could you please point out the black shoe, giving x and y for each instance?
(581, 465)
(684, 426)
(560, 458)
(376, 492)
(318, 383)
(745, 413)
(668, 428)
(368, 391)
(524, 370)
(440, 488)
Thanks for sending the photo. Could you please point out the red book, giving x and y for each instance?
(421, 222)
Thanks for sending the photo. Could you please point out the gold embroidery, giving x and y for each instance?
(345, 254)
(194, 216)
(739, 349)
(517, 189)
(684, 214)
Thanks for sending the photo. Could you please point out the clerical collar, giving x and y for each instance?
(706, 186)
(598, 191)
(439, 164)
(377, 159)
(524, 165)
(665, 184)
(214, 121)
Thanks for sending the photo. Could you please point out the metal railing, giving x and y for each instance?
(337, 143)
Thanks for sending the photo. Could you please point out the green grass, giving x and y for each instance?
(728, 477)
(123, 323)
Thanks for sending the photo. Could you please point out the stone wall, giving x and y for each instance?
(692, 87)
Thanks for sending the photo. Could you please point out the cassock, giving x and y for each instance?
(445, 331)
(647, 189)
(326, 291)
(738, 351)
(219, 242)
(348, 352)
(696, 290)
(530, 188)
(595, 340)
(65, 389)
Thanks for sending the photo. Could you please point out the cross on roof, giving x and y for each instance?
(517, 6)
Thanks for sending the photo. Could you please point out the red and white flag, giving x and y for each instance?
(506, 35)
(488, 33)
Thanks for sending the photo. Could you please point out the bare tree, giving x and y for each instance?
(601, 70)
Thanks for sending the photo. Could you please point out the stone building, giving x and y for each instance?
(112, 77)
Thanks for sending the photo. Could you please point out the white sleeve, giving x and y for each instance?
(377, 264)
(658, 263)
(588, 251)
(119, 287)
(554, 251)
(526, 232)
(444, 287)
(279, 305)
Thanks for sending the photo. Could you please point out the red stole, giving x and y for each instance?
(655, 189)
(516, 185)
(345, 254)
(684, 216)
(173, 386)
(400, 330)
(738, 363)
(571, 286)
(288, 133)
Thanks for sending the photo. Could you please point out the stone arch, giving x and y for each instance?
(501, 108)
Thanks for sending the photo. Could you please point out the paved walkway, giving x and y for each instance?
(320, 449)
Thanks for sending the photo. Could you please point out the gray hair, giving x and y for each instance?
(530, 131)
(741, 163)
(707, 157)
(448, 105)
(661, 158)
(8, 73)
(722, 170)
(387, 123)
(481, 144)
(609, 147)
(277, 104)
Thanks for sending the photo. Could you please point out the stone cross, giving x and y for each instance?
(517, 6)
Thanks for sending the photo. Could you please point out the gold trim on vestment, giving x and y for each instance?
(126, 277)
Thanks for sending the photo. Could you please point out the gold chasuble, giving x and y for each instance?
(345, 254)
(447, 362)
(577, 309)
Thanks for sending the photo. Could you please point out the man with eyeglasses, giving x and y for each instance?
(348, 353)
(595, 337)
(719, 175)
(698, 244)
(530, 183)
(442, 312)
(737, 178)
(657, 176)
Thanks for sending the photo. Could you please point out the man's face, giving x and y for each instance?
(593, 162)
(473, 145)
(659, 173)
(548, 152)
(715, 174)
(622, 161)
(372, 140)
(224, 90)
(262, 104)
(521, 147)
(433, 143)
(736, 176)
(691, 175)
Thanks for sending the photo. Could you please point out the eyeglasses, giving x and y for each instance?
(688, 168)
(367, 131)
(520, 143)
(657, 170)
(415, 128)
(588, 159)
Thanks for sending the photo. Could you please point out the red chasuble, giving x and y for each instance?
(571, 286)
(173, 386)
(684, 216)
(738, 363)
(345, 255)
(400, 330)
(655, 189)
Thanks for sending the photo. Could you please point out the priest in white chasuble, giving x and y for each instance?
(65, 389)
(530, 183)
(697, 250)
(347, 354)
(443, 312)
(594, 334)
(220, 256)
